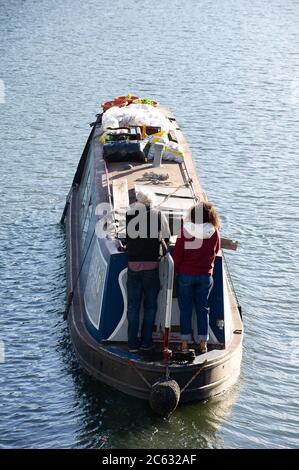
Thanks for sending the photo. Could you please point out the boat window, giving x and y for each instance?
(86, 221)
(86, 190)
(86, 201)
(94, 290)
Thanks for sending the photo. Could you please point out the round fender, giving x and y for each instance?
(164, 397)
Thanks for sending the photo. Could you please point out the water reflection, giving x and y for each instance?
(110, 419)
(232, 85)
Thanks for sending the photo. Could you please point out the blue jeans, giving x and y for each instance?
(146, 283)
(194, 289)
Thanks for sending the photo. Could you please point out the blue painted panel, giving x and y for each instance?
(113, 304)
(92, 330)
(217, 300)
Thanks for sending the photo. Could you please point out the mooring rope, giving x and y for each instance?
(231, 281)
(139, 373)
(185, 185)
(194, 376)
(167, 375)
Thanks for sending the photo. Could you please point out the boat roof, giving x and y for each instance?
(176, 185)
(144, 172)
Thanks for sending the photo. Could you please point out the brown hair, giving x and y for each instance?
(205, 212)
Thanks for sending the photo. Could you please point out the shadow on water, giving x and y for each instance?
(111, 419)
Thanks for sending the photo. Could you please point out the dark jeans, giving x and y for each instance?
(194, 289)
(140, 283)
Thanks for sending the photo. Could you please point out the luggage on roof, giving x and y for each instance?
(124, 151)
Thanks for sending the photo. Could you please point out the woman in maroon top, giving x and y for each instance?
(194, 255)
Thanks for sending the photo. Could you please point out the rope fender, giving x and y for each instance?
(194, 376)
(165, 393)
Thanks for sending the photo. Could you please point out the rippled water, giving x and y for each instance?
(230, 72)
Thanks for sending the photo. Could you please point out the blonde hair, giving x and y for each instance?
(146, 197)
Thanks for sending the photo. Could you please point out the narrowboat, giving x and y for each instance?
(125, 152)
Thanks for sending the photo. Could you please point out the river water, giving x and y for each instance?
(230, 73)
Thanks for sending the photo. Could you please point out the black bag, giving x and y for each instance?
(125, 151)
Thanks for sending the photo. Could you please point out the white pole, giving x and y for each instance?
(158, 154)
(167, 353)
(169, 290)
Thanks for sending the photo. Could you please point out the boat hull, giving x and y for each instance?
(120, 373)
(111, 363)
